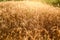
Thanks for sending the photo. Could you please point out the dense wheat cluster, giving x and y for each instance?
(27, 20)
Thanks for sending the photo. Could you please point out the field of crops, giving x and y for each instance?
(27, 20)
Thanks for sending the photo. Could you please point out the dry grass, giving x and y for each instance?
(29, 21)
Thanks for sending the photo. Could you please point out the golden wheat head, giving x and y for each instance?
(27, 20)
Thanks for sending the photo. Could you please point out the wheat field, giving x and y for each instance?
(28, 20)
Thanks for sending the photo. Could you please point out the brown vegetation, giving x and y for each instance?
(29, 21)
